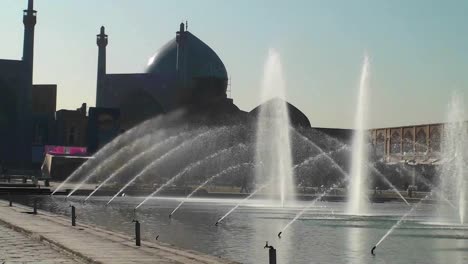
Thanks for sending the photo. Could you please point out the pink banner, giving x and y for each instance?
(63, 150)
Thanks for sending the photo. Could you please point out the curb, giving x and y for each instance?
(123, 238)
(54, 245)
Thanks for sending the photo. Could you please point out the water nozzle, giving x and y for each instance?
(157, 237)
(170, 215)
(266, 245)
(217, 223)
(372, 250)
(279, 234)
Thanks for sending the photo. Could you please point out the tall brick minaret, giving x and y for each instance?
(24, 98)
(101, 41)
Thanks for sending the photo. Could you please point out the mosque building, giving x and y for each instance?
(28, 118)
(184, 74)
(16, 97)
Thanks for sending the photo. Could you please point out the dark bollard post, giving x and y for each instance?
(137, 233)
(271, 253)
(9, 199)
(73, 215)
(35, 207)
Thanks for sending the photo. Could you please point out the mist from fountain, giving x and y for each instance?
(142, 154)
(191, 167)
(318, 156)
(318, 198)
(322, 152)
(401, 220)
(273, 142)
(395, 190)
(431, 186)
(242, 202)
(119, 142)
(123, 152)
(156, 162)
(453, 178)
(122, 140)
(211, 178)
(357, 189)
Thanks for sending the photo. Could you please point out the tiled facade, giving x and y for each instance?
(415, 144)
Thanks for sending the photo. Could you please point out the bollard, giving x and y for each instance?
(73, 215)
(35, 207)
(137, 233)
(9, 198)
(271, 253)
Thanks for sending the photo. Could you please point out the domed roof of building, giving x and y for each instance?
(296, 117)
(201, 60)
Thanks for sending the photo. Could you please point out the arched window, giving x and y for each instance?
(435, 139)
(421, 141)
(380, 145)
(395, 142)
(408, 142)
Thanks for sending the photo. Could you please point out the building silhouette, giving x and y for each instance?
(184, 73)
(16, 98)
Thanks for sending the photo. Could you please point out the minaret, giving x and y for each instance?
(24, 99)
(101, 41)
(29, 21)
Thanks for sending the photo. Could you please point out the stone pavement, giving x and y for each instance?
(91, 244)
(16, 247)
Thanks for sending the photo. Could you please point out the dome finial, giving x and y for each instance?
(102, 30)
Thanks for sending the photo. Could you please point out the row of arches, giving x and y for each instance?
(404, 141)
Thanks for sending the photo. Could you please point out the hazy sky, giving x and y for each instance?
(418, 49)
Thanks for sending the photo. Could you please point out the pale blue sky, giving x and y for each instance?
(418, 49)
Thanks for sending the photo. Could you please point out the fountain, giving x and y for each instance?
(240, 203)
(273, 139)
(149, 151)
(158, 161)
(357, 196)
(158, 190)
(298, 215)
(228, 170)
(453, 177)
(119, 142)
(398, 223)
(184, 159)
(125, 151)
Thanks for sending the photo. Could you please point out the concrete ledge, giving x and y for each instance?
(91, 244)
(51, 243)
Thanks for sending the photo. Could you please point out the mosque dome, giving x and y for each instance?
(296, 117)
(202, 61)
(189, 59)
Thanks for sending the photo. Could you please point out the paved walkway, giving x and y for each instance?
(16, 247)
(91, 244)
